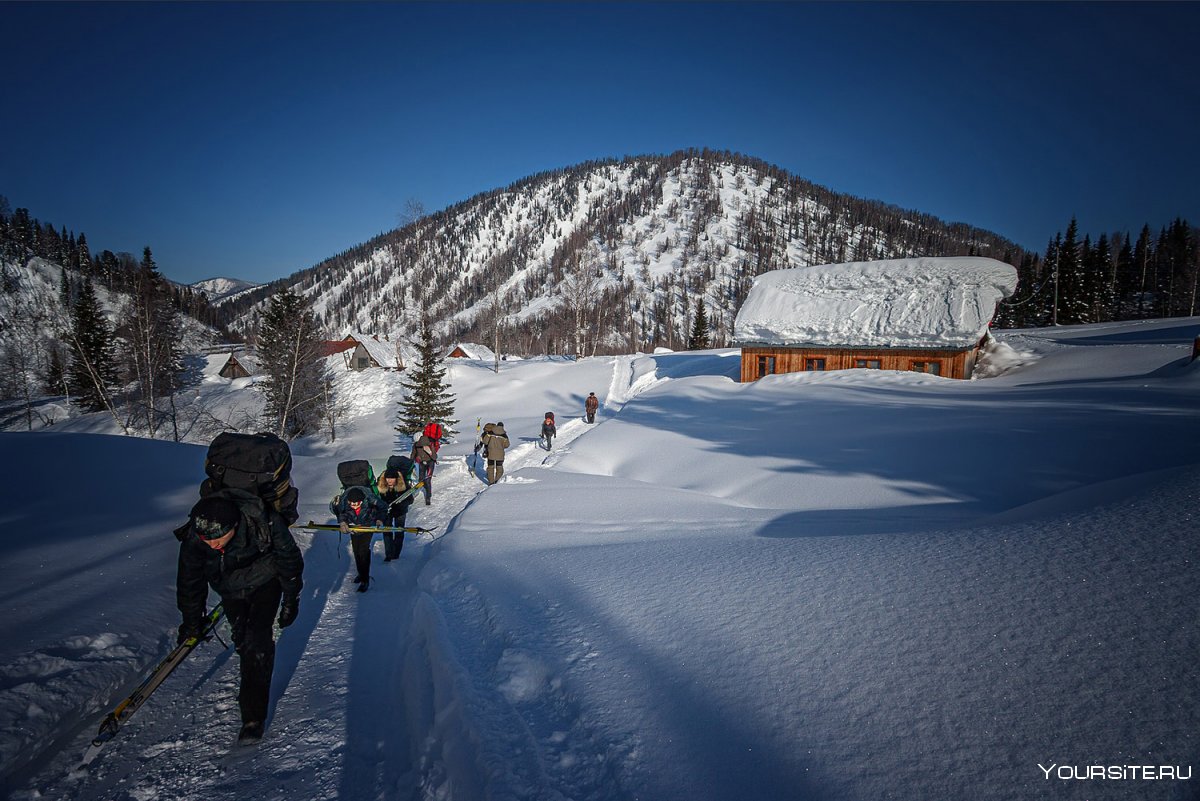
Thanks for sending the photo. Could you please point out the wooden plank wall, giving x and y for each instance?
(791, 360)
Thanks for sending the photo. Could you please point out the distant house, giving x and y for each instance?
(239, 365)
(470, 350)
(928, 315)
(361, 352)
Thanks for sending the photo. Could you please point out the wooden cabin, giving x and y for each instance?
(362, 352)
(926, 315)
(238, 365)
(469, 350)
(770, 359)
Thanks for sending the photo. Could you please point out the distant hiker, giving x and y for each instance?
(548, 429)
(243, 550)
(494, 443)
(359, 506)
(392, 484)
(590, 406)
(425, 456)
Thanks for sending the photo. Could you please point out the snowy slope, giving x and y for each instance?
(660, 231)
(218, 288)
(853, 585)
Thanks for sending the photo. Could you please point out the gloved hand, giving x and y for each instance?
(187, 630)
(344, 527)
(288, 609)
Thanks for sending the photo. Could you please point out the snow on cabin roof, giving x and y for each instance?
(897, 303)
(247, 360)
(382, 351)
(473, 351)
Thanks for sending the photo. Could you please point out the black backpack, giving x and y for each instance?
(356, 473)
(260, 464)
(401, 464)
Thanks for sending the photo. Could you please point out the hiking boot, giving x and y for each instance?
(252, 732)
(362, 587)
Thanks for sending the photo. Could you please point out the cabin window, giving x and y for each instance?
(814, 364)
(869, 364)
(766, 365)
(362, 363)
(933, 368)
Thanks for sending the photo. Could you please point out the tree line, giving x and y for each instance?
(1112, 277)
(128, 361)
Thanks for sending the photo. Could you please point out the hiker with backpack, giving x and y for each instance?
(360, 507)
(242, 549)
(494, 441)
(424, 455)
(393, 484)
(590, 406)
(548, 429)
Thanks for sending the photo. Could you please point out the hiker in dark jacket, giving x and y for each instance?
(590, 406)
(494, 444)
(549, 431)
(392, 484)
(359, 506)
(243, 550)
(425, 456)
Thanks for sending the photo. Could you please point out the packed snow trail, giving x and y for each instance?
(341, 722)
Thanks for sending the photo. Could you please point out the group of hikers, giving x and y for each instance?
(238, 541)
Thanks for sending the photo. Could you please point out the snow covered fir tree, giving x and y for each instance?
(428, 397)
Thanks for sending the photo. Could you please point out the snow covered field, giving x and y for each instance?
(852, 585)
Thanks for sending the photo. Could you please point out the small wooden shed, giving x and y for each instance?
(239, 365)
(928, 315)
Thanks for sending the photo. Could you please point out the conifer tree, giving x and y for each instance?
(92, 373)
(428, 398)
(290, 356)
(699, 340)
(1072, 282)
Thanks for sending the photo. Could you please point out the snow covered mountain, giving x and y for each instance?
(620, 249)
(219, 288)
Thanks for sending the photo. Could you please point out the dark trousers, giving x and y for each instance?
(393, 543)
(360, 544)
(252, 620)
(591, 416)
(426, 475)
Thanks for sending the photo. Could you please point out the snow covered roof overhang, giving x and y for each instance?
(929, 303)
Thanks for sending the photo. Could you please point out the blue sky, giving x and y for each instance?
(253, 140)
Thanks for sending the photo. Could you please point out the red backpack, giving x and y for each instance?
(434, 432)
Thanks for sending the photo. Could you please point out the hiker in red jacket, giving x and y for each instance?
(590, 406)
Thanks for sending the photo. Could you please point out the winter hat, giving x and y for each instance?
(389, 473)
(355, 496)
(213, 517)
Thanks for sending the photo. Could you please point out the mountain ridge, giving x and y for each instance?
(637, 240)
